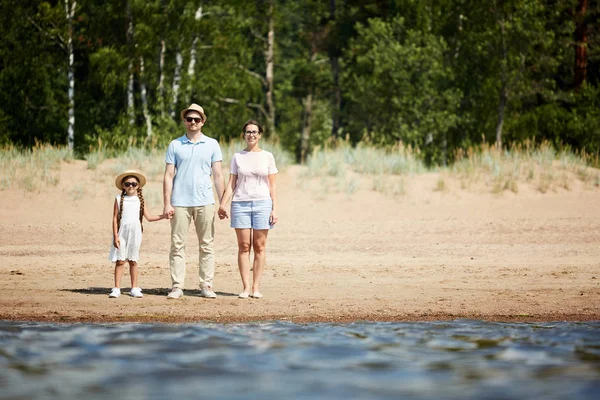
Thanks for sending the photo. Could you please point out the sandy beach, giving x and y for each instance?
(334, 256)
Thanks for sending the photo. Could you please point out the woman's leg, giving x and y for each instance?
(118, 272)
(244, 237)
(133, 271)
(259, 245)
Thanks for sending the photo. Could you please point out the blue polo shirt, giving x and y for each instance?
(192, 186)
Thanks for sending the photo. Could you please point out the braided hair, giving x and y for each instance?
(140, 196)
(120, 210)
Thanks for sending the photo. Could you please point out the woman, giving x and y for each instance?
(253, 206)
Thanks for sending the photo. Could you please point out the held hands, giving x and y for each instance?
(168, 212)
(222, 212)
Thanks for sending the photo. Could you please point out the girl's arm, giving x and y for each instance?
(273, 192)
(152, 218)
(227, 196)
(115, 225)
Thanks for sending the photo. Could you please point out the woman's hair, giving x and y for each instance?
(140, 196)
(252, 122)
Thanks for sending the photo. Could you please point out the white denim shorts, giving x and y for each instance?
(252, 214)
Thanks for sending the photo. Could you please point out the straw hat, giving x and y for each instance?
(130, 172)
(194, 107)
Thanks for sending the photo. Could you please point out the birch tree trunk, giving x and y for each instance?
(161, 78)
(503, 82)
(269, 75)
(306, 127)
(191, 67)
(193, 54)
(147, 116)
(130, 99)
(307, 122)
(176, 81)
(335, 73)
(130, 102)
(70, 13)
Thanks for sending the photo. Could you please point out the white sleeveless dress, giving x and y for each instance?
(130, 231)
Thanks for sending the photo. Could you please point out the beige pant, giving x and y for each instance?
(204, 221)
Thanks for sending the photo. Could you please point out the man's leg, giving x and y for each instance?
(180, 224)
(205, 228)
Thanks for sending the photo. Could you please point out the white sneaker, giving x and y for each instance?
(175, 293)
(136, 292)
(207, 292)
(115, 292)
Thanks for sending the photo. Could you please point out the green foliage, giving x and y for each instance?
(426, 74)
(576, 123)
(399, 87)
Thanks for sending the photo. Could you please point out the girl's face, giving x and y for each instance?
(251, 134)
(130, 185)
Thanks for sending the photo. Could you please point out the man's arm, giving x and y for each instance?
(168, 210)
(217, 171)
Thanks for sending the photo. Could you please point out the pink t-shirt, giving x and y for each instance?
(252, 169)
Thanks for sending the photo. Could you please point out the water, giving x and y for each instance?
(460, 359)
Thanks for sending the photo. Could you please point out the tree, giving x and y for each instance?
(581, 39)
(398, 85)
(508, 54)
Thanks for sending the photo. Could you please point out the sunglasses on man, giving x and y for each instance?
(196, 120)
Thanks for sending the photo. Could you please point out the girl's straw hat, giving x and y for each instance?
(130, 172)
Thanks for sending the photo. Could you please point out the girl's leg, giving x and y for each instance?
(133, 271)
(259, 245)
(243, 240)
(118, 272)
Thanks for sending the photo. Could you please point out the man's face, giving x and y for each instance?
(193, 122)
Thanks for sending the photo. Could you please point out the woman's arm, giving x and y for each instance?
(227, 196)
(273, 192)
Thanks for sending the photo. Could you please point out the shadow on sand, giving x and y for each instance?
(104, 291)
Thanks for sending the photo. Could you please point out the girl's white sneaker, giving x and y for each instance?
(136, 292)
(115, 292)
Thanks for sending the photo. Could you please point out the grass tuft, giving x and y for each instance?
(32, 169)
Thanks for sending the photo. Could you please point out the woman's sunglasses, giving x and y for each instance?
(132, 184)
(196, 120)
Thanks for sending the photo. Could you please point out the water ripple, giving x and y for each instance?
(460, 359)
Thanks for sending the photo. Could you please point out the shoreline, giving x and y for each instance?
(343, 319)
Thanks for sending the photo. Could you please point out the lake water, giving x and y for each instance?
(460, 359)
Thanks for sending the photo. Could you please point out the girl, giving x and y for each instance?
(127, 229)
(253, 207)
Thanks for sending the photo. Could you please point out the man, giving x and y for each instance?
(188, 196)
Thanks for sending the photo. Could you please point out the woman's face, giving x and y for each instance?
(251, 134)
(130, 185)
